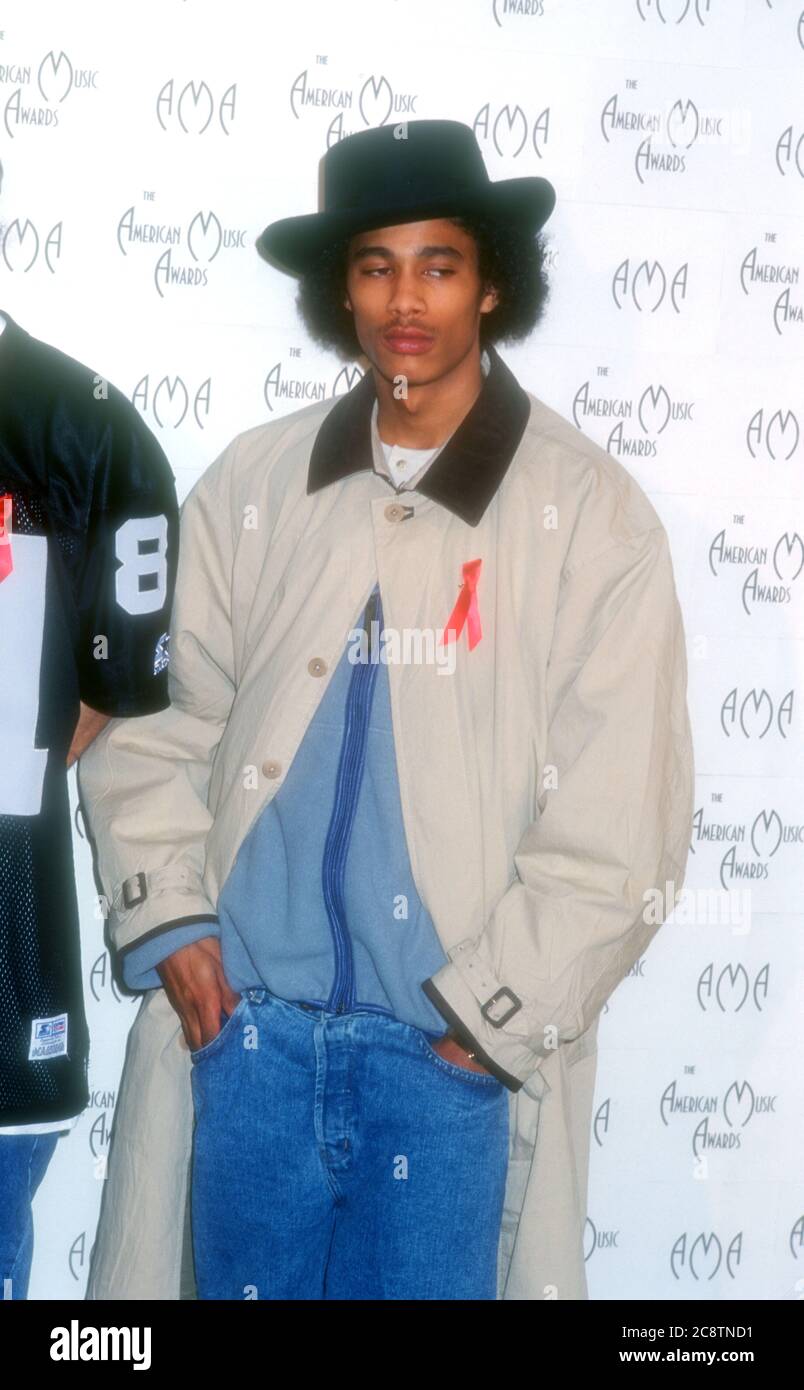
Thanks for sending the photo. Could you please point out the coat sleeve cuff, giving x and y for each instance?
(150, 901)
(489, 1012)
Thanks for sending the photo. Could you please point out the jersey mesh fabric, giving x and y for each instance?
(82, 471)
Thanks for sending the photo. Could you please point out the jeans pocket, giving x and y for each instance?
(202, 1053)
(475, 1078)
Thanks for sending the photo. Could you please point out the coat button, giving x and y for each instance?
(271, 768)
(393, 512)
(317, 666)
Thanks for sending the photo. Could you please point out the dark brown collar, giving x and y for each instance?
(465, 475)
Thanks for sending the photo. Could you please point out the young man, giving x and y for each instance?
(88, 539)
(386, 901)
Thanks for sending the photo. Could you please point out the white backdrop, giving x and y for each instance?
(144, 149)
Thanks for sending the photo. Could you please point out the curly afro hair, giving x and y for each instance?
(510, 257)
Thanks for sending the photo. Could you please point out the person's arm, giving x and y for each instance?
(617, 825)
(457, 1047)
(187, 962)
(145, 781)
(90, 723)
(197, 987)
(125, 583)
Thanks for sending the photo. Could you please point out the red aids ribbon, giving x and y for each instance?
(6, 563)
(466, 609)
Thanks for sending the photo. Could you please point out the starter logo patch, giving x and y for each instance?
(48, 1038)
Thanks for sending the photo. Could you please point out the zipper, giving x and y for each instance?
(371, 617)
(347, 789)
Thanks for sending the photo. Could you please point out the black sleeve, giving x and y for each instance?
(126, 583)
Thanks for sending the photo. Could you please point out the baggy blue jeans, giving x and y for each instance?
(24, 1160)
(337, 1156)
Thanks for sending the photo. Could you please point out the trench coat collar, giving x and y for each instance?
(469, 468)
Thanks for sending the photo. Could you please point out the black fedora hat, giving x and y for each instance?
(402, 173)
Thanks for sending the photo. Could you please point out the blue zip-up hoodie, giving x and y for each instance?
(320, 903)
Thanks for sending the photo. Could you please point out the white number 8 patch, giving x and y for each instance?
(140, 584)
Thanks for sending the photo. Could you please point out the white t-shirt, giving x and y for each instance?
(406, 466)
(49, 1127)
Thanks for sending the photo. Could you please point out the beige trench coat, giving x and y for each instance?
(546, 785)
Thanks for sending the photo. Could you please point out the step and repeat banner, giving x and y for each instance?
(141, 159)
